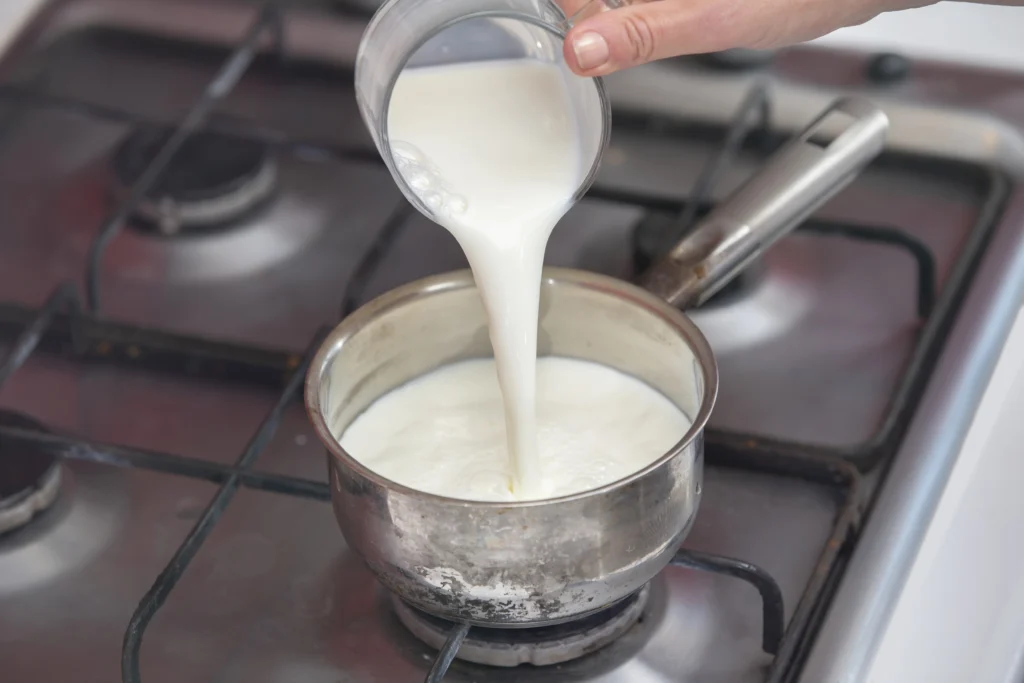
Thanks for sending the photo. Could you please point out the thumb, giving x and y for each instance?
(647, 31)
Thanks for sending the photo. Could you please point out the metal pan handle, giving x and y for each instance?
(807, 172)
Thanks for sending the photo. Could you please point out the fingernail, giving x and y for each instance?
(591, 50)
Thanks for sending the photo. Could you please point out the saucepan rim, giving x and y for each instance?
(435, 285)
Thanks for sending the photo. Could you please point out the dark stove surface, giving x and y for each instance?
(831, 309)
(274, 595)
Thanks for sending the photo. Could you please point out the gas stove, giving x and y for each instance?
(188, 199)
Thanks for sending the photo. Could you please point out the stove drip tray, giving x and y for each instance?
(29, 479)
(543, 646)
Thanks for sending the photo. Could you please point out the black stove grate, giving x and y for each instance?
(63, 325)
(750, 127)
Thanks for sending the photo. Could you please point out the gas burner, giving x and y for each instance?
(29, 478)
(543, 646)
(649, 237)
(214, 180)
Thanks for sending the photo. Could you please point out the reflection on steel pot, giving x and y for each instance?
(542, 562)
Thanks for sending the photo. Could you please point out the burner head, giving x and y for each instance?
(544, 646)
(649, 238)
(213, 180)
(29, 478)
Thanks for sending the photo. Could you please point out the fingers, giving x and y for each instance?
(621, 38)
(646, 31)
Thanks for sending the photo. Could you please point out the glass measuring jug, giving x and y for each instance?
(408, 34)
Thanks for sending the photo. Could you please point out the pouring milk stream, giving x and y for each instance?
(492, 148)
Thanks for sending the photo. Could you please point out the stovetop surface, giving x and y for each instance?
(813, 354)
(274, 595)
(830, 312)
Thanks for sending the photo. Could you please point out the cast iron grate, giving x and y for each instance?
(65, 326)
(665, 219)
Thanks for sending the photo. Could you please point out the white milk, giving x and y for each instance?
(444, 432)
(493, 148)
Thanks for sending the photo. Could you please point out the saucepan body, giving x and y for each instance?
(526, 563)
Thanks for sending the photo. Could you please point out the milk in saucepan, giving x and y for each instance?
(492, 148)
(444, 433)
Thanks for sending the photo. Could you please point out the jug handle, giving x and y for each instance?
(793, 183)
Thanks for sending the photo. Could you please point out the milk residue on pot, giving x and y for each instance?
(492, 148)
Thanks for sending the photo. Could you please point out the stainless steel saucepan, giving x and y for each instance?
(543, 562)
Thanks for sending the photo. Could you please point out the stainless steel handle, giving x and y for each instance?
(794, 183)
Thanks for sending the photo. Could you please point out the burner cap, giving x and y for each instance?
(543, 646)
(212, 181)
(29, 478)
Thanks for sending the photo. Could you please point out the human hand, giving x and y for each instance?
(646, 30)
